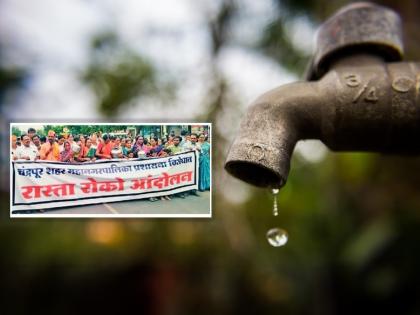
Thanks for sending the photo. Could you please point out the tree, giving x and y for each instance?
(118, 75)
(16, 131)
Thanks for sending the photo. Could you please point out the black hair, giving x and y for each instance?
(30, 130)
(105, 137)
(194, 134)
(178, 137)
(24, 135)
(60, 137)
(35, 135)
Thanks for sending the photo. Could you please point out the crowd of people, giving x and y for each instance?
(89, 148)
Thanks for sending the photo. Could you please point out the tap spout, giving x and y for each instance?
(361, 104)
(360, 97)
(268, 133)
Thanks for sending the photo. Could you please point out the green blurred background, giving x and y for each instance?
(353, 218)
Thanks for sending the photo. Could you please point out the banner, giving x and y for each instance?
(45, 184)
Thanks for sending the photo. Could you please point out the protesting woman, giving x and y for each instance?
(67, 154)
(116, 151)
(140, 149)
(127, 150)
(204, 164)
(154, 145)
(88, 153)
(104, 148)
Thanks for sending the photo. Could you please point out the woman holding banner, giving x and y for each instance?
(67, 154)
(204, 164)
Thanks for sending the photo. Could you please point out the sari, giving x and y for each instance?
(66, 155)
(204, 167)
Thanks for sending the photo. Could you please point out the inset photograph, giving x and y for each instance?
(110, 170)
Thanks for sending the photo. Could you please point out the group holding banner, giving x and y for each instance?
(45, 184)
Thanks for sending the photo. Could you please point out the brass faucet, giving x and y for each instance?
(359, 97)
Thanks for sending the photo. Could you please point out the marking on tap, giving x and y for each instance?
(360, 93)
(369, 96)
(403, 84)
(257, 152)
(352, 80)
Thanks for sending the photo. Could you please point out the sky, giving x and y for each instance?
(52, 39)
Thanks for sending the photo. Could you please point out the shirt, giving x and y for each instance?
(175, 150)
(54, 155)
(190, 146)
(30, 151)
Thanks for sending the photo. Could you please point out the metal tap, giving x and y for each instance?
(359, 97)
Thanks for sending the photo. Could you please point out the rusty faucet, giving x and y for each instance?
(358, 97)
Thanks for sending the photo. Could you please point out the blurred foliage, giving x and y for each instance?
(277, 44)
(16, 131)
(353, 219)
(119, 76)
(10, 78)
(84, 129)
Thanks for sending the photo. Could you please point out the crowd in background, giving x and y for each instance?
(96, 146)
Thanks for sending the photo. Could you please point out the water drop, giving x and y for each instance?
(277, 237)
(275, 206)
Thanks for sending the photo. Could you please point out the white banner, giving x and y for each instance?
(45, 184)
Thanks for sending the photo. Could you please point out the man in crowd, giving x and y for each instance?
(192, 144)
(176, 147)
(31, 133)
(36, 141)
(26, 151)
(50, 150)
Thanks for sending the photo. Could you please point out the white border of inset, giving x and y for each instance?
(112, 214)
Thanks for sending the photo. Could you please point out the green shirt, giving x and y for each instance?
(175, 149)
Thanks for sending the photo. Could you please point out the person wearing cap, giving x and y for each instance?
(50, 150)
